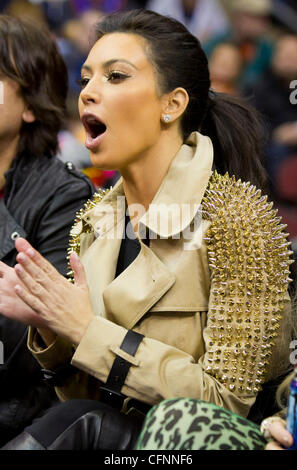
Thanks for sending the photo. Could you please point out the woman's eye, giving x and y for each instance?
(83, 82)
(116, 76)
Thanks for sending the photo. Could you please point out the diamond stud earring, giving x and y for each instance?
(166, 117)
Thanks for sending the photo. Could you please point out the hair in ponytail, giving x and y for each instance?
(238, 136)
(233, 126)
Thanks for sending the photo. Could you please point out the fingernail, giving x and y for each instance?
(18, 289)
(19, 268)
(21, 257)
(30, 252)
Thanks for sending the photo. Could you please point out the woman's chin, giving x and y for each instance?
(101, 161)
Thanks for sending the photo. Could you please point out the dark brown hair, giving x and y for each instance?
(233, 125)
(29, 56)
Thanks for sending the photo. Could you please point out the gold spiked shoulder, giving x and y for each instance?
(249, 263)
(81, 226)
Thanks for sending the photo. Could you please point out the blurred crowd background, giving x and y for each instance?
(252, 51)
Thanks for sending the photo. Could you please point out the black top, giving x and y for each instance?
(130, 247)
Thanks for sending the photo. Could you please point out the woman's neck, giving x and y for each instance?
(143, 178)
(7, 155)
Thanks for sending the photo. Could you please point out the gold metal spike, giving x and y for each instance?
(250, 253)
(80, 226)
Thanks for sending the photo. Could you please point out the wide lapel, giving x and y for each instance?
(137, 288)
(126, 298)
(100, 262)
(100, 258)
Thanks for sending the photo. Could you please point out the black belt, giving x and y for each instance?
(110, 393)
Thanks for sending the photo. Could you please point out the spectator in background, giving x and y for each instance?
(39, 197)
(250, 25)
(225, 66)
(285, 70)
(271, 96)
(203, 18)
(71, 23)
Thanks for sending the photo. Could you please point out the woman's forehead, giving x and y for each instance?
(126, 46)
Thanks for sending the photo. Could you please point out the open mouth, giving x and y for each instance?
(94, 127)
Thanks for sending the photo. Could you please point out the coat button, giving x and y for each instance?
(69, 166)
(14, 235)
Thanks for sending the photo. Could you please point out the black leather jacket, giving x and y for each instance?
(41, 198)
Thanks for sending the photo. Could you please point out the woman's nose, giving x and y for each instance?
(90, 94)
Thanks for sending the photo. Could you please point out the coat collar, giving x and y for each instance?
(176, 202)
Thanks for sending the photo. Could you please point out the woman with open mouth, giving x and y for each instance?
(180, 271)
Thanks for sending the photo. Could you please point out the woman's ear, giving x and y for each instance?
(175, 103)
(28, 116)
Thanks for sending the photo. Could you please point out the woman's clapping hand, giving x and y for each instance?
(52, 302)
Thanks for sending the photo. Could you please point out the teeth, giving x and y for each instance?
(93, 121)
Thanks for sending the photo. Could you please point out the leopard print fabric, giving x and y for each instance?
(190, 424)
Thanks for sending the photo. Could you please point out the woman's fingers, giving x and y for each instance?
(34, 284)
(30, 274)
(61, 306)
(78, 270)
(33, 302)
(37, 269)
(33, 261)
(280, 434)
(22, 244)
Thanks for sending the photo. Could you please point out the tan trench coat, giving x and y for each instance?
(193, 345)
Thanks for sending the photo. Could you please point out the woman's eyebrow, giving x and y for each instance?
(112, 61)
(86, 67)
(108, 63)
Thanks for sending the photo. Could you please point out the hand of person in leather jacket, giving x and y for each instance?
(11, 305)
(58, 305)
